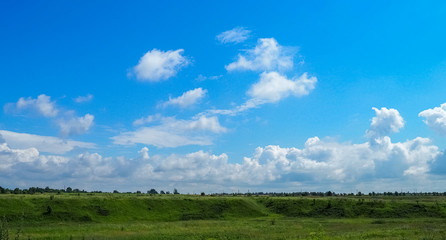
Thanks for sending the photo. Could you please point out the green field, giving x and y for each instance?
(142, 216)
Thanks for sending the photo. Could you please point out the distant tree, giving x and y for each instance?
(162, 192)
(152, 191)
(69, 190)
(329, 194)
(175, 191)
(138, 192)
(17, 191)
(115, 191)
(203, 194)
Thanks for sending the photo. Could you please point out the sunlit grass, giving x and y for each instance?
(132, 216)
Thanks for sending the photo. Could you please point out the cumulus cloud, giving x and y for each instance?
(318, 162)
(10, 157)
(45, 144)
(158, 65)
(30, 166)
(236, 35)
(171, 132)
(187, 99)
(385, 122)
(68, 123)
(266, 56)
(42, 105)
(435, 118)
(271, 88)
(82, 99)
(75, 125)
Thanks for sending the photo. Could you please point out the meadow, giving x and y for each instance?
(144, 216)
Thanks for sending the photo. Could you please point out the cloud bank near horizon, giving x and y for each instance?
(325, 162)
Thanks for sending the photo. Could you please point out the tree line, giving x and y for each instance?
(34, 190)
(152, 191)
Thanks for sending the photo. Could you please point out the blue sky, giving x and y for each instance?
(228, 96)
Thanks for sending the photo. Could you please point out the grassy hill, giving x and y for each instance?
(142, 207)
(141, 216)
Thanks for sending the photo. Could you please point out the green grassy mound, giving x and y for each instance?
(356, 207)
(116, 208)
(123, 208)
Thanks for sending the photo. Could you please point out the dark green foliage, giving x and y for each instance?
(152, 191)
(49, 210)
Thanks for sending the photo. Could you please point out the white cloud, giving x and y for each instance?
(144, 153)
(385, 122)
(75, 125)
(42, 105)
(271, 88)
(201, 77)
(318, 162)
(68, 123)
(82, 99)
(41, 143)
(9, 157)
(159, 138)
(435, 118)
(148, 119)
(187, 99)
(266, 56)
(158, 65)
(236, 35)
(172, 132)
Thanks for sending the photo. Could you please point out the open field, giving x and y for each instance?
(141, 216)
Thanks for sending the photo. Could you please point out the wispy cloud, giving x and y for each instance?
(171, 132)
(46, 144)
(236, 35)
(187, 99)
(82, 99)
(201, 77)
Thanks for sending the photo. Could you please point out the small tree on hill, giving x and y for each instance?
(152, 191)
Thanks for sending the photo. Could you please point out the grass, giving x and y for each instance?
(133, 216)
